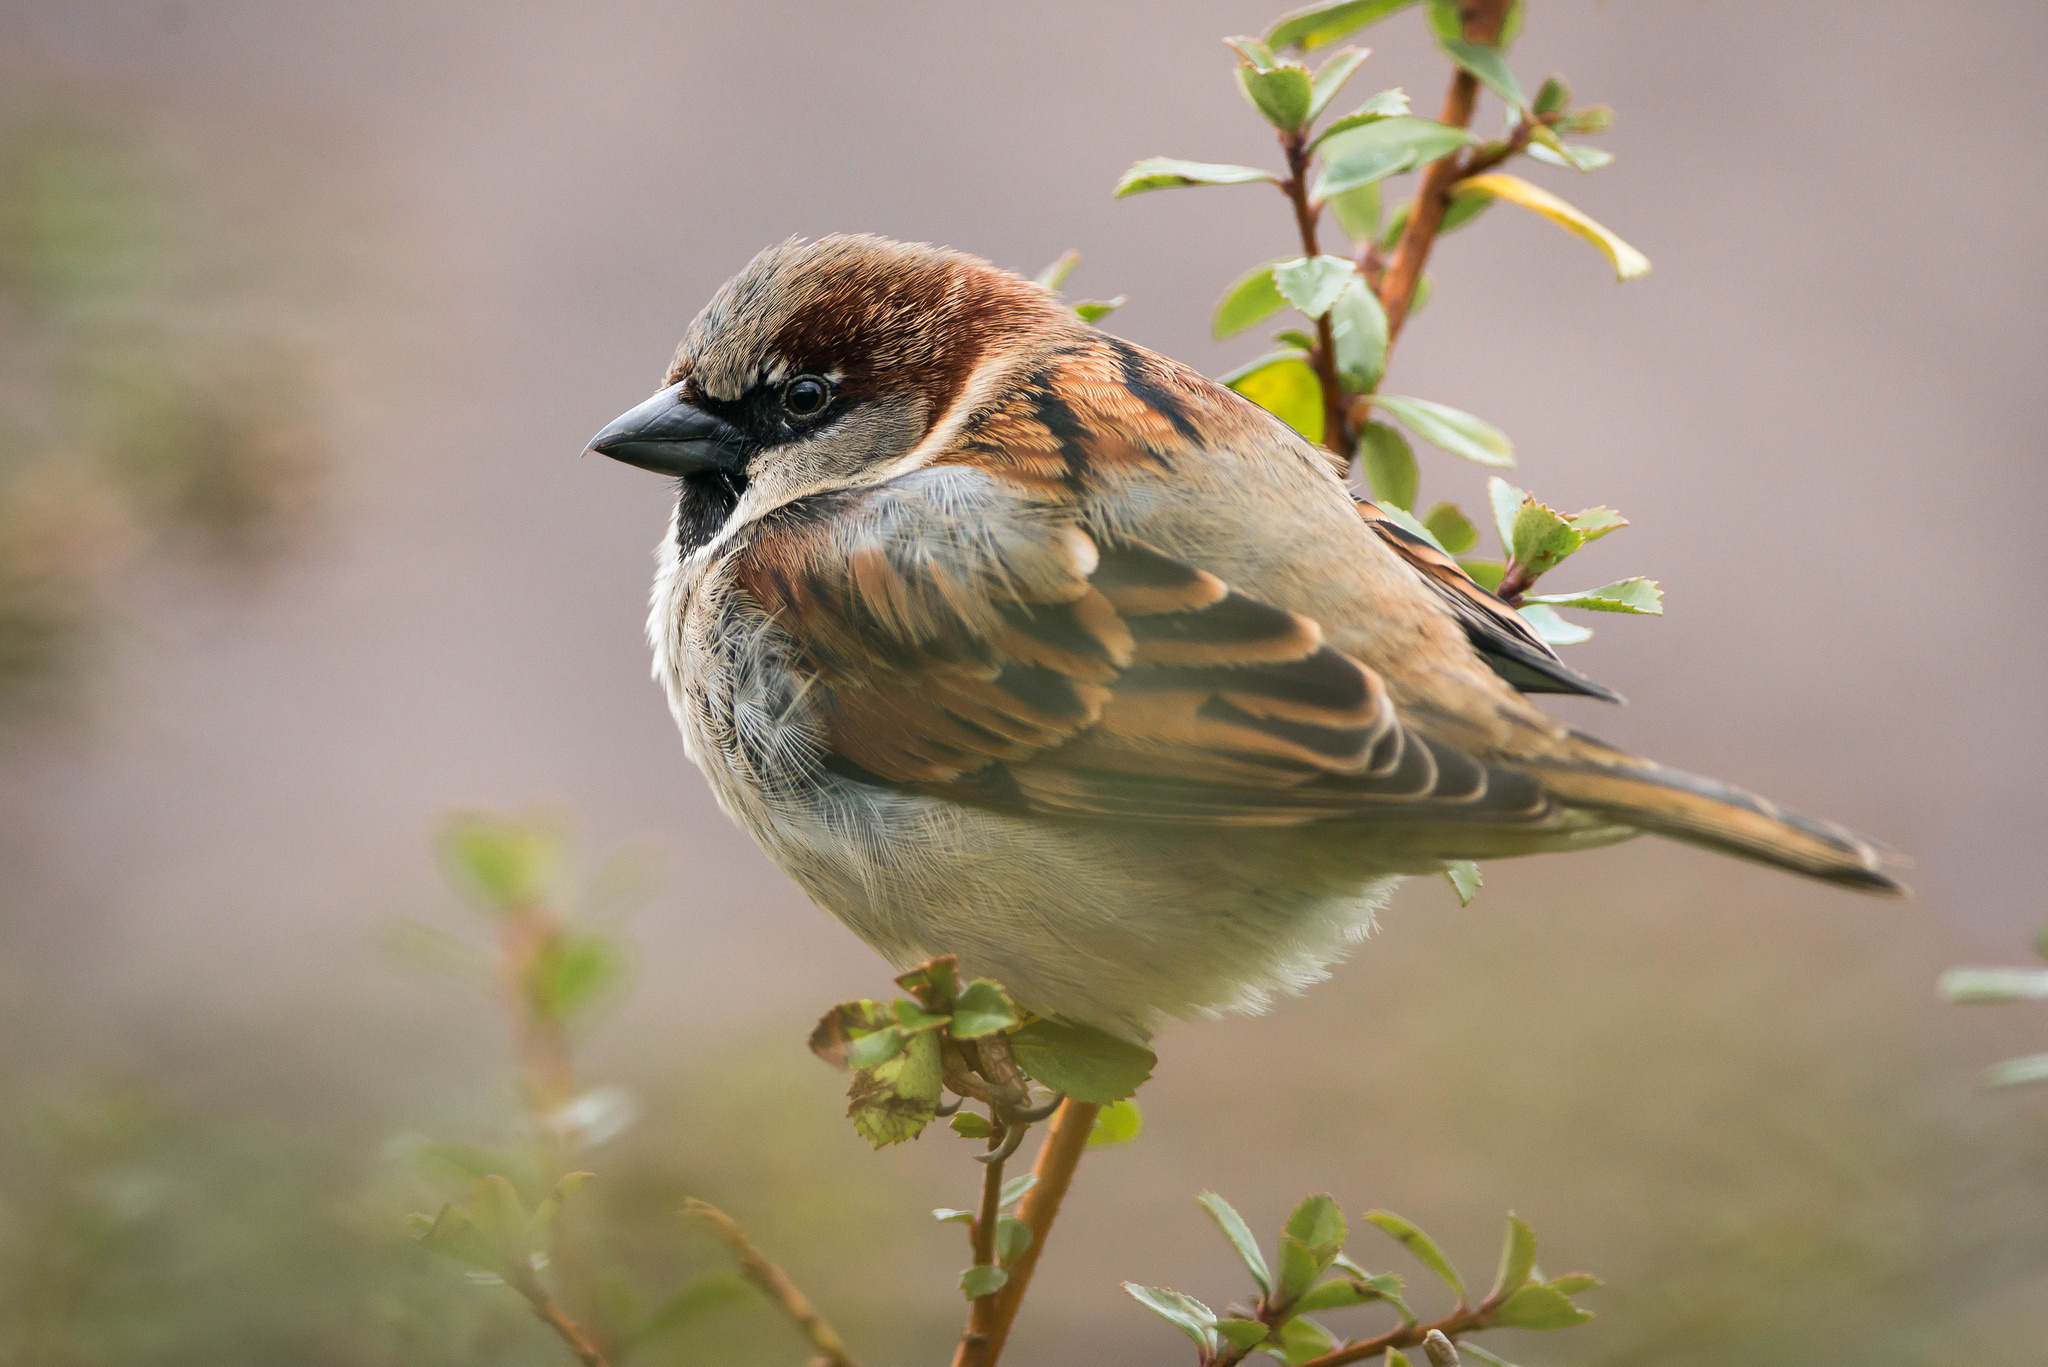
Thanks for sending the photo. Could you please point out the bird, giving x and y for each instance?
(1011, 640)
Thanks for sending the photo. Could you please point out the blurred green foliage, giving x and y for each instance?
(138, 428)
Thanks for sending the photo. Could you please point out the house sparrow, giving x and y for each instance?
(1012, 640)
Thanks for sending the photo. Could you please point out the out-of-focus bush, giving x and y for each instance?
(139, 428)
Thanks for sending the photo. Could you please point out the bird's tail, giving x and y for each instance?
(1589, 775)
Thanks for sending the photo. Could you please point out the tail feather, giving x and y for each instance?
(1705, 811)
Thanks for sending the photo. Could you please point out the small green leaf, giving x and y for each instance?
(1284, 385)
(1389, 464)
(1301, 1266)
(1319, 1223)
(1185, 1313)
(1491, 68)
(1013, 1190)
(1240, 1236)
(1572, 1283)
(1594, 523)
(1295, 337)
(1117, 1123)
(1421, 1245)
(1451, 528)
(1330, 78)
(1457, 432)
(1465, 206)
(1095, 310)
(1973, 985)
(1639, 596)
(452, 1234)
(971, 1125)
(1388, 104)
(1315, 26)
(983, 1008)
(1381, 148)
(894, 1100)
(574, 973)
(1446, 19)
(911, 1018)
(1596, 118)
(1397, 1358)
(1463, 876)
(838, 1028)
(1505, 500)
(1542, 538)
(935, 982)
(871, 1050)
(506, 865)
(1080, 1061)
(1312, 284)
(1358, 212)
(1164, 173)
(1539, 1307)
(1467, 1346)
(1552, 628)
(1242, 1333)
(1574, 155)
(708, 1294)
(1055, 275)
(1517, 1257)
(1408, 524)
(1628, 263)
(1251, 300)
(1339, 1292)
(1013, 1236)
(983, 1279)
(1281, 94)
(948, 1215)
(1485, 573)
(1552, 97)
(1303, 1340)
(1358, 331)
(2016, 1072)
(1255, 53)
(540, 1225)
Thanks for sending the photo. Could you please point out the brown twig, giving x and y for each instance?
(1337, 433)
(554, 1317)
(1065, 1141)
(757, 1268)
(981, 1316)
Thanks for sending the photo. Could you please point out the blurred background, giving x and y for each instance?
(305, 312)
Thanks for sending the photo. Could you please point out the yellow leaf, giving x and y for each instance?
(1628, 262)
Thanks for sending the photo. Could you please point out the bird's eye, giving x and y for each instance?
(806, 395)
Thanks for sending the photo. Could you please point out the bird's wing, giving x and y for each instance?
(968, 638)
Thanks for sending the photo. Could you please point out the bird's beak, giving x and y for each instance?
(671, 436)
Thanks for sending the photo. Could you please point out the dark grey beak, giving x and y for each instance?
(671, 436)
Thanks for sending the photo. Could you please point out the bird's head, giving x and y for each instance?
(829, 364)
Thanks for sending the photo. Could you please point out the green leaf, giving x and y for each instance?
(1539, 1307)
(1312, 284)
(1451, 528)
(2016, 1072)
(1542, 538)
(1013, 1236)
(1251, 300)
(1382, 148)
(1628, 263)
(971, 1125)
(1408, 524)
(1055, 275)
(1572, 1283)
(1095, 310)
(1358, 331)
(948, 1215)
(1465, 206)
(1340, 1292)
(1242, 1333)
(1240, 1236)
(894, 1100)
(838, 1028)
(1487, 64)
(1117, 1123)
(1459, 433)
(1597, 118)
(574, 973)
(1301, 1266)
(911, 1018)
(540, 1226)
(1165, 173)
(935, 982)
(983, 1008)
(1485, 573)
(1467, 1346)
(1552, 97)
(1425, 290)
(1315, 26)
(1387, 1286)
(1257, 54)
(1389, 464)
(1575, 155)
(1295, 337)
(1388, 104)
(1282, 94)
(1185, 1313)
(1464, 879)
(452, 1234)
(1358, 212)
(1505, 500)
(1973, 985)
(1596, 522)
(1303, 1340)
(1014, 1190)
(1553, 628)
(872, 1050)
(707, 1295)
(1331, 76)
(505, 865)
(1517, 1258)
(983, 1279)
(1639, 596)
(1283, 384)
(1421, 1245)
(1319, 1223)
(1080, 1061)
(1446, 20)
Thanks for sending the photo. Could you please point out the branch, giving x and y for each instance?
(756, 1268)
(1057, 1159)
(1483, 20)
(981, 1316)
(1337, 433)
(556, 1319)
